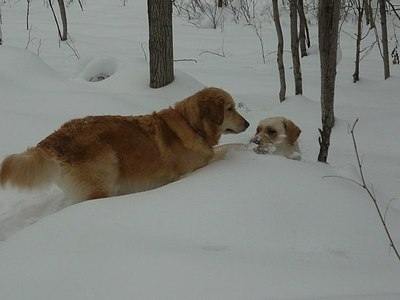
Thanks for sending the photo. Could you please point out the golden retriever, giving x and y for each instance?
(278, 135)
(102, 156)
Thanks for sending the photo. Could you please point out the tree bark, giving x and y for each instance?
(360, 10)
(368, 14)
(63, 14)
(1, 33)
(281, 67)
(160, 42)
(382, 11)
(62, 35)
(295, 48)
(304, 37)
(328, 19)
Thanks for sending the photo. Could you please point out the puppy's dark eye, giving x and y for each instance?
(271, 131)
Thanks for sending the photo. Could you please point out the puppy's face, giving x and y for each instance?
(273, 133)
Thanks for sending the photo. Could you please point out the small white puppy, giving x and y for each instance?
(277, 135)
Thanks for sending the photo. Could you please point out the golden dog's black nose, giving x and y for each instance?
(246, 124)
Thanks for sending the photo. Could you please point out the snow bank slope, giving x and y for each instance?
(250, 227)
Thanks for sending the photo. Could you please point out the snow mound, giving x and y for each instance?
(98, 69)
(22, 60)
(218, 243)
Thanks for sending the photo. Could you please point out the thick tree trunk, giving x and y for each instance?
(295, 48)
(160, 42)
(281, 67)
(386, 66)
(328, 17)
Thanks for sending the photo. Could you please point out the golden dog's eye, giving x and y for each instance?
(230, 108)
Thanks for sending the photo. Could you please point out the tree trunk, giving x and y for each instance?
(1, 33)
(63, 14)
(295, 48)
(281, 67)
(28, 8)
(303, 29)
(386, 66)
(160, 42)
(360, 10)
(63, 35)
(368, 14)
(328, 25)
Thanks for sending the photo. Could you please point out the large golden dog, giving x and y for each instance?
(102, 156)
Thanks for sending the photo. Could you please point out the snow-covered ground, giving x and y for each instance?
(249, 227)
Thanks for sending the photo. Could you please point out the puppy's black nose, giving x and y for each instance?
(256, 140)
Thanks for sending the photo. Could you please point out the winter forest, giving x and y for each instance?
(251, 226)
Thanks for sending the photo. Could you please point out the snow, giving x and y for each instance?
(248, 227)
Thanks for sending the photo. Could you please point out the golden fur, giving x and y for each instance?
(101, 156)
(278, 135)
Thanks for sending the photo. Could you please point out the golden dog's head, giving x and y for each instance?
(276, 134)
(211, 112)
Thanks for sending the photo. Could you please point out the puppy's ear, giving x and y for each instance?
(212, 109)
(292, 131)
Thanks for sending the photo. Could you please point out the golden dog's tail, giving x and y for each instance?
(33, 168)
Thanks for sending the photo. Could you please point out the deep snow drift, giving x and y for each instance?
(249, 227)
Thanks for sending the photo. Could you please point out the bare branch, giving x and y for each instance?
(387, 207)
(211, 52)
(186, 59)
(371, 193)
(344, 178)
(393, 9)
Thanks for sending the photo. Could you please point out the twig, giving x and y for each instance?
(393, 8)
(72, 46)
(363, 184)
(144, 52)
(186, 59)
(217, 53)
(344, 178)
(211, 52)
(387, 207)
(80, 4)
(40, 45)
(29, 38)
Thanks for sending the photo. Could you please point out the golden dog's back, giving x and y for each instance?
(111, 154)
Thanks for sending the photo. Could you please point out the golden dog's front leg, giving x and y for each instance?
(221, 151)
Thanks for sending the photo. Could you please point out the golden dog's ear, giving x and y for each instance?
(212, 109)
(292, 131)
